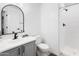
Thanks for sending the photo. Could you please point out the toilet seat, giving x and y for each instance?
(43, 47)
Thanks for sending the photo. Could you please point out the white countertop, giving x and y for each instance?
(6, 44)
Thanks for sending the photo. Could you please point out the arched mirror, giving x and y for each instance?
(12, 19)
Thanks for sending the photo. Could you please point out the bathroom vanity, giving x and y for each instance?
(19, 47)
(12, 22)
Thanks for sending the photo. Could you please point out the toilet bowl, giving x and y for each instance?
(43, 49)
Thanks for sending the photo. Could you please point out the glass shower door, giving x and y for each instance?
(69, 30)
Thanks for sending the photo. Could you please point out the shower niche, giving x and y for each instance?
(12, 19)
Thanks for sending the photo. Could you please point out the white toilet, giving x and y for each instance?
(42, 47)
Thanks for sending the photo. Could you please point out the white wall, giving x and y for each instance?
(32, 18)
(49, 24)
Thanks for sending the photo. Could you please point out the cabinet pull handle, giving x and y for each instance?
(18, 51)
(23, 49)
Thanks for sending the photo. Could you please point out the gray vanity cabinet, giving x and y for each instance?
(30, 49)
(11, 52)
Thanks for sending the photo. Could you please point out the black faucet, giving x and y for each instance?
(15, 35)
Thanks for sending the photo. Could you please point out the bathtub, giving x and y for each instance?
(68, 51)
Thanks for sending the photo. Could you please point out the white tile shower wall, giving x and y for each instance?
(69, 35)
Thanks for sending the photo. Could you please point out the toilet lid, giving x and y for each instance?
(43, 46)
